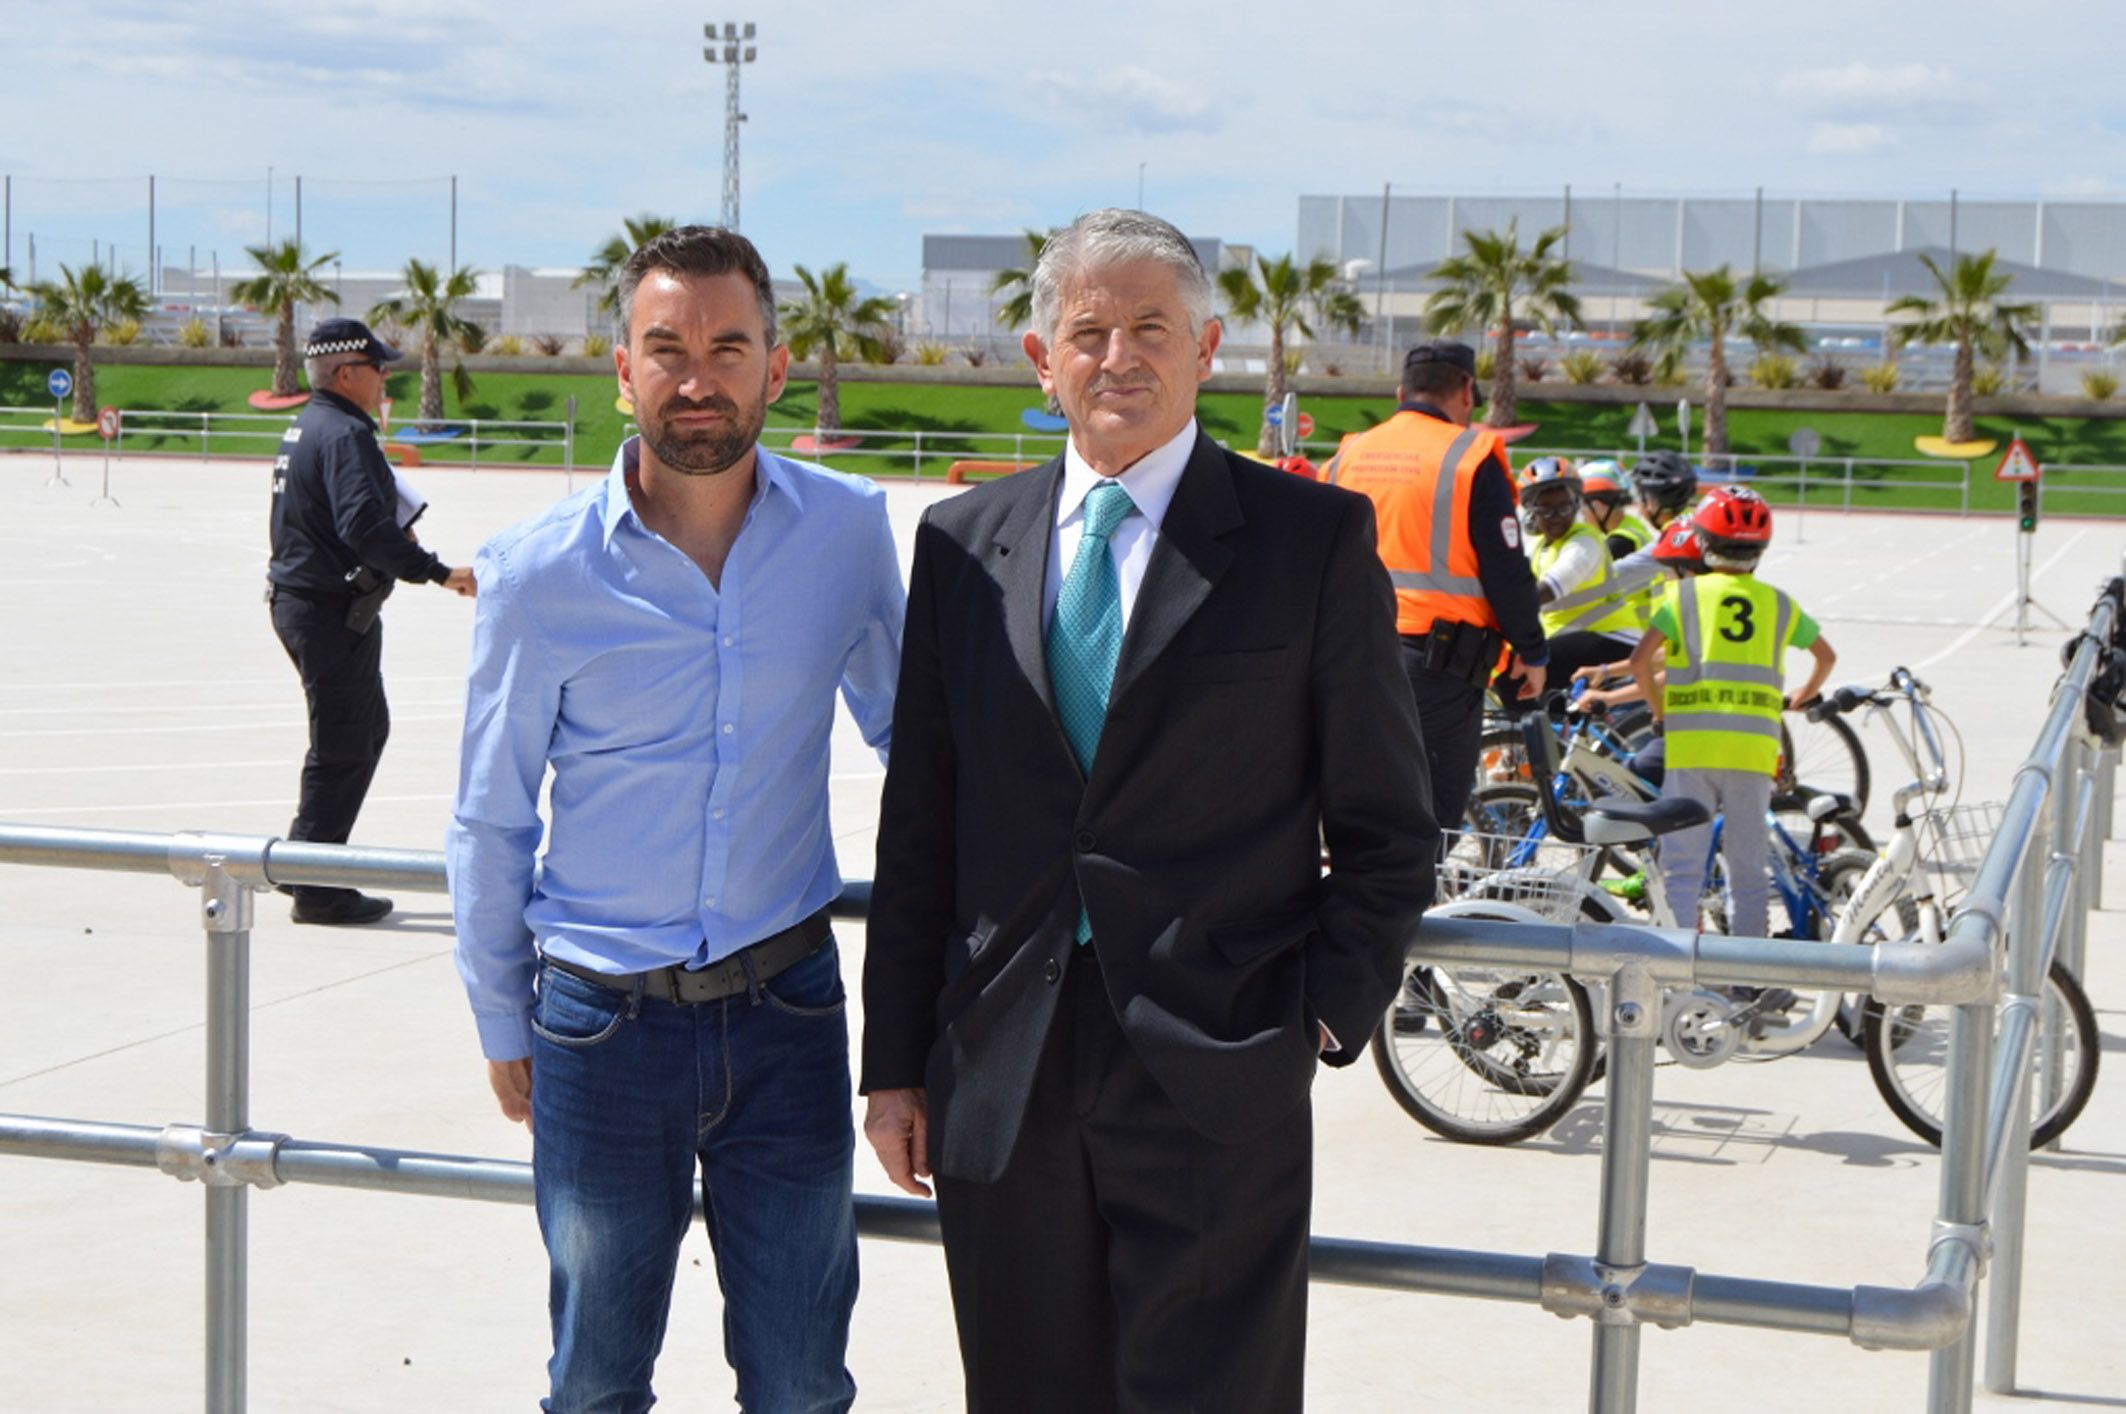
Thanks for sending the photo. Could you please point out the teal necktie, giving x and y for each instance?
(1085, 636)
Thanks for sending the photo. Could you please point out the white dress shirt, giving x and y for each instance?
(1150, 482)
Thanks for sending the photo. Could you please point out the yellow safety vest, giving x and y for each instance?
(1594, 607)
(1641, 535)
(1726, 672)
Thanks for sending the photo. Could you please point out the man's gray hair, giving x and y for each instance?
(320, 369)
(1115, 236)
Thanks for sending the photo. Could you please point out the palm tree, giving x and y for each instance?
(1497, 285)
(427, 309)
(1971, 315)
(1017, 312)
(1715, 305)
(833, 321)
(604, 267)
(1282, 299)
(284, 280)
(83, 303)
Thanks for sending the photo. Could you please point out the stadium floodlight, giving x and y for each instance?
(734, 58)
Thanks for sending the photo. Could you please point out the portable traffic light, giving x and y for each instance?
(2026, 506)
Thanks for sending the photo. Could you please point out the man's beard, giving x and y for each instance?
(706, 451)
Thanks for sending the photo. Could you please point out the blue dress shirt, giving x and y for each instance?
(687, 728)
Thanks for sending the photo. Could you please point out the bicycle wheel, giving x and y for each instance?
(1823, 756)
(1486, 1055)
(1908, 1054)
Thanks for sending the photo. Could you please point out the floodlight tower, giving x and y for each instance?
(728, 48)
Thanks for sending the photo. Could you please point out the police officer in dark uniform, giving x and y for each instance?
(338, 550)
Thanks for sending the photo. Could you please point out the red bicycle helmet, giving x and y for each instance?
(1735, 524)
(1679, 548)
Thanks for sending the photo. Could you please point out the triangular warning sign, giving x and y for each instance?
(2017, 464)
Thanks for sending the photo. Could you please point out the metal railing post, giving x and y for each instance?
(2026, 980)
(1963, 1180)
(917, 471)
(1627, 1143)
(225, 911)
(1848, 483)
(475, 443)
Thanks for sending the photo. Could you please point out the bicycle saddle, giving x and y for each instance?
(1623, 822)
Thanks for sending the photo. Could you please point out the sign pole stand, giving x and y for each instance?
(58, 476)
(2022, 468)
(107, 427)
(58, 383)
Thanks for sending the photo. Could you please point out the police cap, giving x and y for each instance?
(1451, 352)
(344, 336)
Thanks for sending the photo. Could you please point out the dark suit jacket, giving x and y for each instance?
(1259, 710)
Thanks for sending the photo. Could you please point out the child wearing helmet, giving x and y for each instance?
(1585, 617)
(1721, 638)
(1603, 488)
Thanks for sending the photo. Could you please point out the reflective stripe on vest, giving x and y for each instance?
(1417, 472)
(1595, 606)
(1726, 679)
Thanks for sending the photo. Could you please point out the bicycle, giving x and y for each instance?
(1940, 847)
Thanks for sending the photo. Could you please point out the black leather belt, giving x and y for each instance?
(308, 596)
(726, 977)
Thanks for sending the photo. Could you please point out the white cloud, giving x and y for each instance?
(1861, 89)
(1849, 139)
(1128, 99)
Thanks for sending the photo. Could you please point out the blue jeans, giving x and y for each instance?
(628, 1094)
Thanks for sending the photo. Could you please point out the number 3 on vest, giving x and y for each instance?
(1742, 629)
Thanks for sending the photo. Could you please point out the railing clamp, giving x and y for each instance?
(1645, 1294)
(190, 1154)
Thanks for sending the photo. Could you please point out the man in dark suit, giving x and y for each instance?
(1139, 688)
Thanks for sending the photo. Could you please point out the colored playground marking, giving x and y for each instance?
(624, 406)
(1042, 420)
(413, 436)
(806, 442)
(1954, 451)
(70, 428)
(1517, 432)
(266, 400)
(405, 455)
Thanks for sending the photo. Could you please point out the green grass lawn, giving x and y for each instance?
(945, 423)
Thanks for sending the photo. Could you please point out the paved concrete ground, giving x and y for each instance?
(144, 689)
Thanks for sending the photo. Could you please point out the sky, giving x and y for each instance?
(869, 125)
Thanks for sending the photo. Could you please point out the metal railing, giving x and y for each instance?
(257, 433)
(2036, 881)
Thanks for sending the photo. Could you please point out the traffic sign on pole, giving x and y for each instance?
(107, 423)
(1306, 424)
(2017, 464)
(59, 383)
(1643, 426)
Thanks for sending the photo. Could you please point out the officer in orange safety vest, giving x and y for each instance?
(1444, 501)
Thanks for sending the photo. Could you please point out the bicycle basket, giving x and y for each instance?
(1543, 875)
(1952, 841)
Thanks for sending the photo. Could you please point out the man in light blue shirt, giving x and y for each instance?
(664, 993)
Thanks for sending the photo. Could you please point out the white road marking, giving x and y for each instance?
(291, 722)
(8, 813)
(2001, 605)
(151, 766)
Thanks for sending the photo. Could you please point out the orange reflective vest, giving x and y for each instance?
(1417, 471)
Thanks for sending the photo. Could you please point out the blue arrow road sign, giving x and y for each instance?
(60, 383)
(1274, 415)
